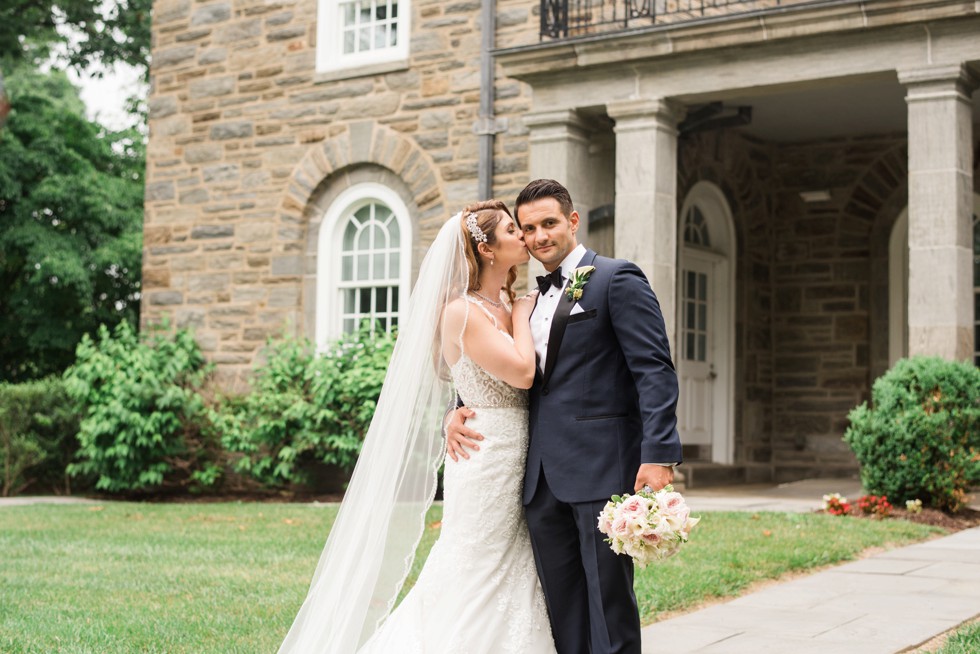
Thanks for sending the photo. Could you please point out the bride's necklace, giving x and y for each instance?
(499, 305)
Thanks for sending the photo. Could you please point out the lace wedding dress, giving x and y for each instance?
(478, 592)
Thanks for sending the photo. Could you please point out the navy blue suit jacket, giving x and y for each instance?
(607, 398)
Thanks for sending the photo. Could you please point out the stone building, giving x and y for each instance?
(797, 179)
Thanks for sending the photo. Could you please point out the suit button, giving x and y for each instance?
(544, 391)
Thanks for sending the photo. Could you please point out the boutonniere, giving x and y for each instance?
(577, 281)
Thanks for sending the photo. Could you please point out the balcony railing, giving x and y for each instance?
(562, 19)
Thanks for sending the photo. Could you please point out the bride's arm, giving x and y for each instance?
(492, 351)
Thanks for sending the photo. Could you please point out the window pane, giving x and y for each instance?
(394, 298)
(394, 10)
(393, 233)
(689, 323)
(349, 325)
(349, 300)
(393, 265)
(394, 35)
(364, 39)
(702, 287)
(365, 11)
(349, 233)
(381, 300)
(690, 347)
(691, 286)
(380, 37)
(381, 11)
(364, 239)
(702, 317)
(365, 300)
(348, 9)
(380, 238)
(702, 346)
(348, 42)
(362, 266)
(347, 268)
(379, 266)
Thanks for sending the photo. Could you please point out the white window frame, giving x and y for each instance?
(330, 55)
(329, 302)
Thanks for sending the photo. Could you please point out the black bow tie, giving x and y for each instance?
(547, 281)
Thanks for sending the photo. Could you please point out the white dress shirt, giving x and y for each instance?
(547, 304)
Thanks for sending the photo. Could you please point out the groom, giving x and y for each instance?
(602, 422)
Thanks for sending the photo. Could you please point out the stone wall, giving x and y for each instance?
(246, 140)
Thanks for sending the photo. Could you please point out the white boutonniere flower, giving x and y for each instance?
(577, 281)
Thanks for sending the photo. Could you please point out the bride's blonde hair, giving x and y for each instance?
(488, 214)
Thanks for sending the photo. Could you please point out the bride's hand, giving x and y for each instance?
(524, 305)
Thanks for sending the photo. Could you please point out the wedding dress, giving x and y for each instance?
(478, 591)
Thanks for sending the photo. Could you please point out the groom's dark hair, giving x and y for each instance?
(545, 188)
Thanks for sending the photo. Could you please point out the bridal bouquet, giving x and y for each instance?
(647, 526)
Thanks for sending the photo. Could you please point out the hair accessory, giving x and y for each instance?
(475, 230)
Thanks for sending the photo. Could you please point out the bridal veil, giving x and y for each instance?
(371, 546)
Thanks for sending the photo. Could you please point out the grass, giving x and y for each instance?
(965, 640)
(223, 578)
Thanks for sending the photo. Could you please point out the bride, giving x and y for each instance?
(478, 591)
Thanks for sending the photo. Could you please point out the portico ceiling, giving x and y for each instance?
(865, 106)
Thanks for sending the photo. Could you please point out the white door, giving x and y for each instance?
(696, 349)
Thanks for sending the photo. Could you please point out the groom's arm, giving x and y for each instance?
(639, 326)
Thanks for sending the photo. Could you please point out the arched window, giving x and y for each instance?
(363, 262)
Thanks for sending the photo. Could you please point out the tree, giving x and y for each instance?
(99, 32)
(71, 211)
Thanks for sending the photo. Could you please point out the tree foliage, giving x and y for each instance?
(71, 211)
(95, 32)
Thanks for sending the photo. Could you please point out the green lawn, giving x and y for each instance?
(210, 578)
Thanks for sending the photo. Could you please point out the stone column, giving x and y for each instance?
(646, 194)
(940, 306)
(560, 151)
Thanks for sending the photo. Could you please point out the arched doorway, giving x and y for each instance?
(706, 323)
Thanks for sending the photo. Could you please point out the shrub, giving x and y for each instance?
(142, 414)
(920, 438)
(305, 409)
(37, 436)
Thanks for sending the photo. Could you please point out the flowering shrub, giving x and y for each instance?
(836, 504)
(913, 506)
(874, 505)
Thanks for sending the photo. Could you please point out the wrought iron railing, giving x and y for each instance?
(570, 18)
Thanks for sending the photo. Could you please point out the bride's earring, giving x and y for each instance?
(491, 263)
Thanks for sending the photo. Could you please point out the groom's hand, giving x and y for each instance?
(459, 436)
(653, 475)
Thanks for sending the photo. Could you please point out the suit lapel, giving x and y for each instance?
(560, 321)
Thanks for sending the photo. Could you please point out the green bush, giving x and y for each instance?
(37, 436)
(143, 417)
(305, 409)
(920, 438)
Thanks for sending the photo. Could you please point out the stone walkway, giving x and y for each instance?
(891, 602)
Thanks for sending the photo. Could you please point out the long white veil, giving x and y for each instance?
(372, 543)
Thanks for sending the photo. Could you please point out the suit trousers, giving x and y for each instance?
(588, 588)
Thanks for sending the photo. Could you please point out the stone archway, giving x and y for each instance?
(364, 152)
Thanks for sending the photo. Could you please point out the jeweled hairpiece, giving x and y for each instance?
(475, 230)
